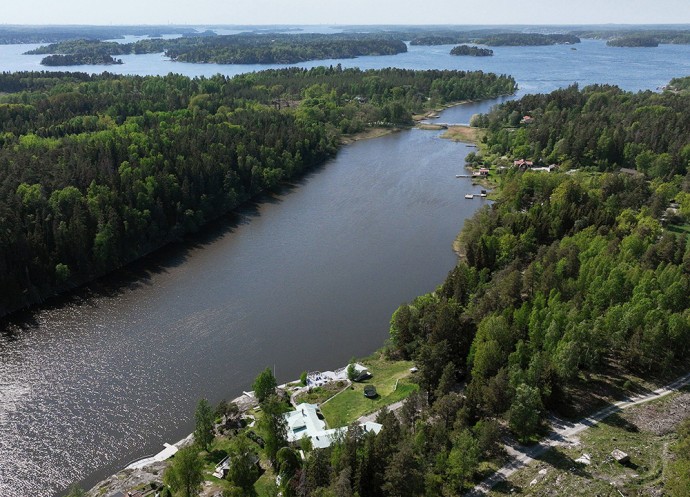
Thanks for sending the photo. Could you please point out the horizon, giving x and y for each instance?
(328, 12)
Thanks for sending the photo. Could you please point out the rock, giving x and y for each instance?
(585, 459)
(620, 456)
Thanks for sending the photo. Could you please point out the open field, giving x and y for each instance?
(644, 432)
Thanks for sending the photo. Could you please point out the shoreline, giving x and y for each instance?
(150, 468)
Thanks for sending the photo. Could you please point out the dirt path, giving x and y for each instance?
(562, 432)
(372, 417)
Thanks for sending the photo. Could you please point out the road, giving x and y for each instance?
(562, 432)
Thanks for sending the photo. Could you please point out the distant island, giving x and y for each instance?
(270, 48)
(633, 41)
(471, 51)
(15, 34)
(80, 60)
(495, 39)
(527, 39)
(628, 36)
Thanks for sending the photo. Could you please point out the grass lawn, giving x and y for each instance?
(265, 486)
(346, 407)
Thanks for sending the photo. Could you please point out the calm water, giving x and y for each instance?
(537, 69)
(302, 280)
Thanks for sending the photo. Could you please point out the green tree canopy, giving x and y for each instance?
(184, 476)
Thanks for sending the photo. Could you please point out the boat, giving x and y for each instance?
(458, 175)
(482, 194)
(469, 196)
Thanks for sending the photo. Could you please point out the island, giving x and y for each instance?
(527, 39)
(79, 60)
(662, 36)
(471, 51)
(633, 41)
(249, 48)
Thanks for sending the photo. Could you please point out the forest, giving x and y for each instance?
(666, 36)
(79, 60)
(249, 48)
(495, 39)
(569, 276)
(633, 41)
(99, 170)
(471, 51)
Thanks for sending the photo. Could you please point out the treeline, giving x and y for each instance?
(53, 34)
(599, 126)
(668, 36)
(526, 39)
(565, 276)
(99, 170)
(633, 41)
(471, 51)
(79, 60)
(271, 48)
(83, 46)
(495, 39)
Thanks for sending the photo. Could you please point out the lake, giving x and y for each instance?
(301, 280)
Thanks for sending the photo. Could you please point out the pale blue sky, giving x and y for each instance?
(344, 11)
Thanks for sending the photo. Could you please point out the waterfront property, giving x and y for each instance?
(307, 421)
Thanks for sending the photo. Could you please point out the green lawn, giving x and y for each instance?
(346, 407)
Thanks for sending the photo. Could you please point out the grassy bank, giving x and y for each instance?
(460, 133)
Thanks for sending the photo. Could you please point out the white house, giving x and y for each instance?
(305, 422)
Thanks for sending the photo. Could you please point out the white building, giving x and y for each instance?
(305, 422)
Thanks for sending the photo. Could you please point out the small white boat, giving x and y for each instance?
(469, 196)
(482, 194)
(458, 175)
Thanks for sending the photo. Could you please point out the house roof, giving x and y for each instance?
(304, 422)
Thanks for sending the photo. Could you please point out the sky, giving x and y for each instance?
(331, 12)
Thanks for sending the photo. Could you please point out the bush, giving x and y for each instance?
(351, 372)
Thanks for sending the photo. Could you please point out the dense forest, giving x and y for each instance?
(271, 48)
(498, 39)
(633, 41)
(79, 60)
(99, 170)
(566, 276)
(471, 51)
